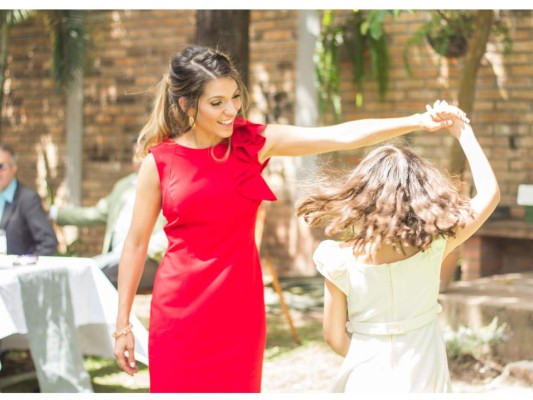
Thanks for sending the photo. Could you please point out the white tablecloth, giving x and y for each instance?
(93, 301)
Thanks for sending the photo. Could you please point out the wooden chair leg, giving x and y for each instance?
(259, 228)
(277, 288)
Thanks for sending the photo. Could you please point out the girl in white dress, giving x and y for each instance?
(397, 216)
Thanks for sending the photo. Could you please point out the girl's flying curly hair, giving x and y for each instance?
(393, 197)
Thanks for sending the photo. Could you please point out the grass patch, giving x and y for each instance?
(280, 340)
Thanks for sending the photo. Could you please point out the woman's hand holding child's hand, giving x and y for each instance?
(442, 115)
(442, 111)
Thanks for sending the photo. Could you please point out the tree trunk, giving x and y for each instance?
(226, 30)
(477, 46)
(4, 41)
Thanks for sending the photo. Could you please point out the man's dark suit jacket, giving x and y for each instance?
(27, 227)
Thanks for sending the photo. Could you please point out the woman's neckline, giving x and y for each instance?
(173, 142)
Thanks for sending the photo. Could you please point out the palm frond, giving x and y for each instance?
(14, 17)
(69, 45)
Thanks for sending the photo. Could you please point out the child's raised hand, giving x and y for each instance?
(442, 111)
(442, 115)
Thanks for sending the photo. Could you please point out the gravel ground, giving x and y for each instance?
(307, 370)
(311, 366)
(308, 367)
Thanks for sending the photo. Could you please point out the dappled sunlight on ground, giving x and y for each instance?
(288, 367)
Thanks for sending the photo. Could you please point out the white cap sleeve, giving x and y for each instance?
(329, 261)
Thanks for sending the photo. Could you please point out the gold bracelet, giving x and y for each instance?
(124, 331)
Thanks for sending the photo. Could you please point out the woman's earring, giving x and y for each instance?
(192, 122)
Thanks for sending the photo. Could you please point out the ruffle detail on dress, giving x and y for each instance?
(253, 186)
(246, 142)
(328, 261)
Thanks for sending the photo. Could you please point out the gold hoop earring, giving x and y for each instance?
(226, 154)
(192, 122)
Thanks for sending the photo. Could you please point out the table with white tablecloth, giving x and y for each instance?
(61, 308)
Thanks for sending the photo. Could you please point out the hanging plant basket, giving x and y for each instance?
(448, 44)
(447, 32)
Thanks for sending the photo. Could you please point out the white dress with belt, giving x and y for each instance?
(396, 342)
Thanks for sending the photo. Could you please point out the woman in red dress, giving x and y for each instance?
(202, 166)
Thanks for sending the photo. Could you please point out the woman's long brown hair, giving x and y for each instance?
(188, 74)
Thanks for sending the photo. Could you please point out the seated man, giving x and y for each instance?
(115, 211)
(27, 228)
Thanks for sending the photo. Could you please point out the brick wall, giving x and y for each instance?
(33, 113)
(130, 50)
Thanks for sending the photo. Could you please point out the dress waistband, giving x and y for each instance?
(393, 328)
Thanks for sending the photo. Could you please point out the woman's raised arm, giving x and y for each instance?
(289, 140)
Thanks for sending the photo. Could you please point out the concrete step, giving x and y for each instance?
(508, 297)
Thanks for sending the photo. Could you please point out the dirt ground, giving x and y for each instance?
(291, 367)
(309, 367)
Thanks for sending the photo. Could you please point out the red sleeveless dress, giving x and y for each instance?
(207, 322)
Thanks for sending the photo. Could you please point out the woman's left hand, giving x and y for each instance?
(125, 353)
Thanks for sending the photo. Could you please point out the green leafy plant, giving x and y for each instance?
(473, 342)
(458, 33)
(356, 37)
(448, 32)
(72, 249)
(69, 39)
(68, 36)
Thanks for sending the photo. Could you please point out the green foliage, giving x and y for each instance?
(14, 17)
(448, 32)
(72, 249)
(67, 29)
(361, 35)
(327, 70)
(358, 36)
(474, 342)
(69, 43)
(68, 36)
